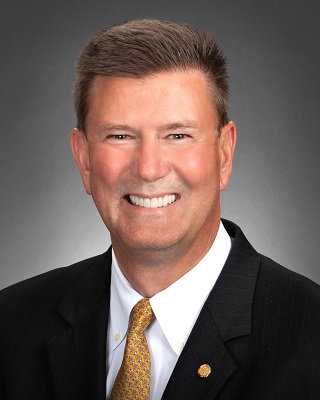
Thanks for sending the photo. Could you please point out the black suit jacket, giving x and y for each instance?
(259, 330)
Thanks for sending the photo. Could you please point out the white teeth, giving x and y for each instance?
(154, 202)
(146, 203)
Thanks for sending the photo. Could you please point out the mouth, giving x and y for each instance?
(152, 202)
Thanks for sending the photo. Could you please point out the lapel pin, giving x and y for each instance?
(204, 371)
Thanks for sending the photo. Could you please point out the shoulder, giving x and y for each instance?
(272, 278)
(45, 290)
(280, 296)
(283, 342)
(285, 313)
(278, 280)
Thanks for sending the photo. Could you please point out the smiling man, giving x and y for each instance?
(155, 176)
(181, 306)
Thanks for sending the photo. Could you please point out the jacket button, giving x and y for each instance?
(204, 371)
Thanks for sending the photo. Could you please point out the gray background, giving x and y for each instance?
(47, 220)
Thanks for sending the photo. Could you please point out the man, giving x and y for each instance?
(181, 307)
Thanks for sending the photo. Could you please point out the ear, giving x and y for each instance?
(80, 151)
(228, 138)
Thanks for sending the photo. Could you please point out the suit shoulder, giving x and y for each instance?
(51, 285)
(288, 290)
(279, 274)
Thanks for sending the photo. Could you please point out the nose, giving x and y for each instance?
(150, 162)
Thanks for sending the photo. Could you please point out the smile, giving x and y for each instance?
(154, 202)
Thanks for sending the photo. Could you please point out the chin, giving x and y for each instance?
(152, 242)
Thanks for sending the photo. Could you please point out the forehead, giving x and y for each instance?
(169, 95)
(194, 77)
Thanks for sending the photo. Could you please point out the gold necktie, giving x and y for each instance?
(133, 379)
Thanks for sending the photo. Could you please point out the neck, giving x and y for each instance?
(150, 271)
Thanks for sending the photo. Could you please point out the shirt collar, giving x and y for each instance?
(177, 307)
(122, 299)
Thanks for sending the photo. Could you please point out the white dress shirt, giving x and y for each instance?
(176, 309)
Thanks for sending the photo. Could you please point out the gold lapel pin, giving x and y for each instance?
(204, 371)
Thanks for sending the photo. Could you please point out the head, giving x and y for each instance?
(153, 144)
(146, 47)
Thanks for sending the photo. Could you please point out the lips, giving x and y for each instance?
(153, 202)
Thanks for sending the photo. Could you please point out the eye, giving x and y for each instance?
(118, 137)
(178, 136)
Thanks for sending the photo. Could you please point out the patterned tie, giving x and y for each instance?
(133, 379)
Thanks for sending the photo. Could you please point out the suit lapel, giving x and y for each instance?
(204, 346)
(78, 352)
(226, 315)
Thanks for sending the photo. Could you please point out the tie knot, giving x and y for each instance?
(141, 315)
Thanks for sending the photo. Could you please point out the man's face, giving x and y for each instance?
(153, 161)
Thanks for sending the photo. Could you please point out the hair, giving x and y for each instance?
(145, 47)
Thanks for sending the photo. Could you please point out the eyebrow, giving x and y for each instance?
(179, 125)
(113, 127)
(167, 127)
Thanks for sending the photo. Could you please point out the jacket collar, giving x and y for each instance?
(230, 302)
(77, 354)
(226, 315)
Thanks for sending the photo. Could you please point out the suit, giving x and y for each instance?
(259, 331)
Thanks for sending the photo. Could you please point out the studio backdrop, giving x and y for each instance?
(48, 221)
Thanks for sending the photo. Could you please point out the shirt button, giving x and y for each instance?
(180, 344)
(117, 337)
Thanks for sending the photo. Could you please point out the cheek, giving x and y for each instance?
(105, 167)
(200, 168)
